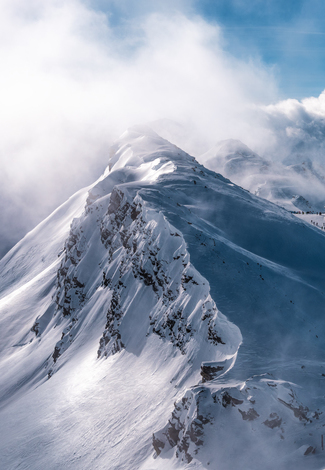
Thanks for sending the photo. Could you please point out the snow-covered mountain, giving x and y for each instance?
(163, 318)
(296, 183)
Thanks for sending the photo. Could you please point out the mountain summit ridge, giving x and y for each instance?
(115, 316)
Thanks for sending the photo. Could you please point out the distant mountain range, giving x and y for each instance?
(297, 183)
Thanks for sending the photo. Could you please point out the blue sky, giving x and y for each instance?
(288, 35)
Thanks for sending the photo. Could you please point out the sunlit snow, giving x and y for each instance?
(163, 318)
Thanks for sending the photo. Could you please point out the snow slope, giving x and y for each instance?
(114, 351)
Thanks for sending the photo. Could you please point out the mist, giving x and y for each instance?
(73, 79)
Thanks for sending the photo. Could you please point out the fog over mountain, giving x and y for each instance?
(72, 80)
(66, 107)
(297, 183)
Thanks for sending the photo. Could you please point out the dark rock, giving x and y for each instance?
(115, 201)
(249, 415)
(227, 400)
(157, 444)
(213, 336)
(135, 212)
(56, 354)
(35, 328)
(300, 412)
(210, 372)
(275, 422)
(310, 450)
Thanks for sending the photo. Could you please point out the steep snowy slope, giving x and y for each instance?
(295, 183)
(113, 351)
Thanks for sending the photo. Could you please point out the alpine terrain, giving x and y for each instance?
(296, 182)
(164, 318)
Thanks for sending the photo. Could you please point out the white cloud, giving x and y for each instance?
(296, 129)
(70, 83)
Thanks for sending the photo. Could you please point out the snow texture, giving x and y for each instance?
(114, 351)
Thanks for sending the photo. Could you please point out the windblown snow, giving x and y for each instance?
(164, 318)
(296, 183)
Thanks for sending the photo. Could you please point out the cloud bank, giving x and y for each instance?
(297, 129)
(71, 82)
(76, 75)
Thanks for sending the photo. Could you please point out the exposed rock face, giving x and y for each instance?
(260, 404)
(141, 256)
(274, 421)
(210, 372)
(185, 429)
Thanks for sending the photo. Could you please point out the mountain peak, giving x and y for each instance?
(140, 145)
(164, 304)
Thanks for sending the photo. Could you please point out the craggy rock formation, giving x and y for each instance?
(141, 256)
(260, 405)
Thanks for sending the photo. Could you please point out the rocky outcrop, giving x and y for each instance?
(185, 429)
(153, 255)
(122, 251)
(212, 370)
(260, 408)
